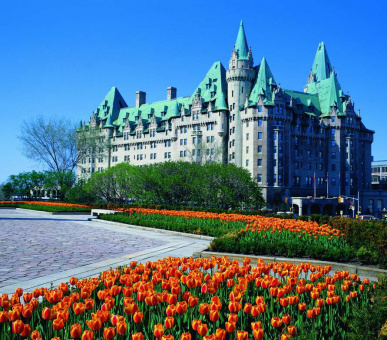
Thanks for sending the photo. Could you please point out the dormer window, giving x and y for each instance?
(333, 119)
(163, 114)
(136, 118)
(212, 94)
(149, 116)
(208, 86)
(215, 80)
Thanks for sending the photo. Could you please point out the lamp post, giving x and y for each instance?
(384, 213)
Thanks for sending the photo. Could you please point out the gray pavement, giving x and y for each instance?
(39, 249)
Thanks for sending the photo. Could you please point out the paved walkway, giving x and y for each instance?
(39, 249)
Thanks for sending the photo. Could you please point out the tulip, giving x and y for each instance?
(46, 313)
(79, 308)
(316, 311)
(138, 316)
(284, 302)
(181, 307)
(137, 336)
(202, 329)
(35, 335)
(292, 330)
(17, 326)
(247, 308)
(302, 306)
(258, 334)
(233, 318)
(242, 335)
(186, 336)
(286, 319)
(58, 324)
(310, 313)
(130, 308)
(214, 315)
(94, 324)
(230, 327)
(109, 333)
(276, 322)
(89, 304)
(27, 297)
(195, 324)
(255, 311)
(121, 327)
(204, 308)
(4, 317)
(87, 335)
(193, 301)
(158, 330)
(169, 322)
(26, 331)
(73, 281)
(76, 330)
(168, 337)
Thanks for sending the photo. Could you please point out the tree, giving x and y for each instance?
(50, 141)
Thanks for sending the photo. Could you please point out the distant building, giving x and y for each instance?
(379, 175)
(290, 141)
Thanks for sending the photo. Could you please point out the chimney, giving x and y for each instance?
(140, 98)
(171, 93)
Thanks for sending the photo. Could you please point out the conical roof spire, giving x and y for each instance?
(220, 103)
(241, 46)
(263, 83)
(322, 67)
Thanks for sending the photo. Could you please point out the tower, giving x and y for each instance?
(240, 77)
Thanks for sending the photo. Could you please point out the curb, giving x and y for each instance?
(362, 271)
(164, 231)
(55, 212)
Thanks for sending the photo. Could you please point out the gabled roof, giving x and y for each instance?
(241, 43)
(212, 88)
(262, 85)
(306, 101)
(321, 68)
(111, 105)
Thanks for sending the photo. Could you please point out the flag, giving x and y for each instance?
(314, 177)
(326, 180)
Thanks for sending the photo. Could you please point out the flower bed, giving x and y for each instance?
(185, 298)
(248, 234)
(46, 206)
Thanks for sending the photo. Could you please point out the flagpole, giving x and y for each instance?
(327, 184)
(314, 180)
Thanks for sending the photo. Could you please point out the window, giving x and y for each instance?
(259, 108)
(333, 131)
(247, 136)
(333, 155)
(333, 119)
(181, 153)
(308, 153)
(333, 181)
(208, 139)
(193, 140)
(333, 167)
(259, 122)
(259, 162)
(259, 178)
(165, 154)
(280, 135)
(247, 149)
(247, 162)
(259, 135)
(259, 148)
(296, 140)
(333, 143)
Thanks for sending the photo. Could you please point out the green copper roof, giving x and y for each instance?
(262, 85)
(241, 43)
(321, 68)
(220, 103)
(111, 105)
(329, 92)
(212, 88)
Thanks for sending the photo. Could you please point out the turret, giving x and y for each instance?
(240, 77)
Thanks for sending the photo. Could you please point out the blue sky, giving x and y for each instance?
(60, 58)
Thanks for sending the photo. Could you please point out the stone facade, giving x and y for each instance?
(292, 142)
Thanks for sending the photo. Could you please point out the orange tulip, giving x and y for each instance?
(258, 334)
(195, 324)
(310, 313)
(202, 329)
(26, 331)
(169, 322)
(130, 308)
(230, 327)
(109, 333)
(94, 324)
(121, 327)
(46, 313)
(233, 318)
(193, 301)
(27, 297)
(186, 336)
(168, 337)
(242, 335)
(137, 336)
(286, 319)
(76, 330)
(138, 316)
(181, 307)
(292, 330)
(17, 326)
(302, 306)
(58, 324)
(276, 322)
(87, 335)
(158, 330)
(4, 317)
(89, 304)
(35, 335)
(214, 315)
(79, 308)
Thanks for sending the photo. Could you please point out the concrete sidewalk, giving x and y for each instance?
(38, 250)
